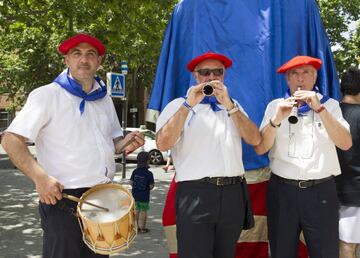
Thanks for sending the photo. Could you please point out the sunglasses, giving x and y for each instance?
(207, 72)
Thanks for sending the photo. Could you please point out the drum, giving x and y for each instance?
(107, 232)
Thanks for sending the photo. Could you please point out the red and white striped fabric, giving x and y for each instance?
(252, 243)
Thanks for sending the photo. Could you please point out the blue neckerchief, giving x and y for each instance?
(73, 87)
(212, 101)
(305, 107)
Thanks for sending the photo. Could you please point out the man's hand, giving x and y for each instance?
(221, 94)
(310, 97)
(49, 189)
(129, 143)
(133, 141)
(196, 95)
(283, 110)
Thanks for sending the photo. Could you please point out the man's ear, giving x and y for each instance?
(66, 60)
(315, 78)
(287, 76)
(195, 74)
(101, 59)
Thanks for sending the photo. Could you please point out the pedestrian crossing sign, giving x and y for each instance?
(116, 84)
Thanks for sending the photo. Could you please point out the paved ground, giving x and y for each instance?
(20, 232)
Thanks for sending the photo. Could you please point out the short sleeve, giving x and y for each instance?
(333, 107)
(240, 107)
(132, 176)
(33, 116)
(168, 112)
(151, 181)
(269, 113)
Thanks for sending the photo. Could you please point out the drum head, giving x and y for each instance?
(115, 199)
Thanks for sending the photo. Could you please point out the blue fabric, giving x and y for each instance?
(212, 101)
(142, 178)
(73, 87)
(258, 36)
(305, 107)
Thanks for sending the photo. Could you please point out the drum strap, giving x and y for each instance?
(70, 206)
(63, 206)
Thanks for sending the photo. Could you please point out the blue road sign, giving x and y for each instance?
(116, 84)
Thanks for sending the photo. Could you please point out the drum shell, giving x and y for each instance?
(108, 237)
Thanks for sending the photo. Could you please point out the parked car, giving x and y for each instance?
(157, 157)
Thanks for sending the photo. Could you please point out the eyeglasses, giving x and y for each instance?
(207, 72)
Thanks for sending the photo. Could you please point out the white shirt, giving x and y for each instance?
(77, 150)
(304, 150)
(209, 146)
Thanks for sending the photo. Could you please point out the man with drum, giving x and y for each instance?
(76, 132)
(301, 131)
(204, 134)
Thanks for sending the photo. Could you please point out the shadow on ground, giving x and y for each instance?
(21, 234)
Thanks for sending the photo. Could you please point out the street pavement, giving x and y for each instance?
(20, 231)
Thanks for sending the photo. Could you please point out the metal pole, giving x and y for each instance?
(123, 122)
(124, 71)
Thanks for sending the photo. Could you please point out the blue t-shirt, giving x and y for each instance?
(142, 178)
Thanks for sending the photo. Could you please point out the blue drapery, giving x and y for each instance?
(258, 36)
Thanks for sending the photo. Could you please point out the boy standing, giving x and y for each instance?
(142, 181)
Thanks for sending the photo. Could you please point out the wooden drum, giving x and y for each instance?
(107, 232)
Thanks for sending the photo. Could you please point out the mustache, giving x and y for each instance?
(84, 66)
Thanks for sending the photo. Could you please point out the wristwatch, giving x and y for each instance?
(233, 110)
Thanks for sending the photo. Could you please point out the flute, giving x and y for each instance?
(293, 117)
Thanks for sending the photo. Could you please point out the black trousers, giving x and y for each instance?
(62, 234)
(313, 210)
(209, 219)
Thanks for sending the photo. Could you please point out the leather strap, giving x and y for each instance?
(221, 181)
(301, 183)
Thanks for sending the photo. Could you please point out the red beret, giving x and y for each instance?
(299, 61)
(209, 55)
(81, 38)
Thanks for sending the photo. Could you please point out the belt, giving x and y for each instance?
(221, 181)
(301, 183)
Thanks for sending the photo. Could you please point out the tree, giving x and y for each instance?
(31, 30)
(337, 15)
(132, 30)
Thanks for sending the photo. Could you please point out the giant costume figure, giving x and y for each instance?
(259, 36)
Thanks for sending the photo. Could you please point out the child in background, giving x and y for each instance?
(142, 181)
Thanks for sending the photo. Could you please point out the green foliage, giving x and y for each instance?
(337, 15)
(30, 31)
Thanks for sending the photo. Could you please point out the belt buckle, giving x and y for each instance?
(218, 181)
(301, 184)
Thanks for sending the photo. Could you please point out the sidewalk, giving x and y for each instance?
(20, 232)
